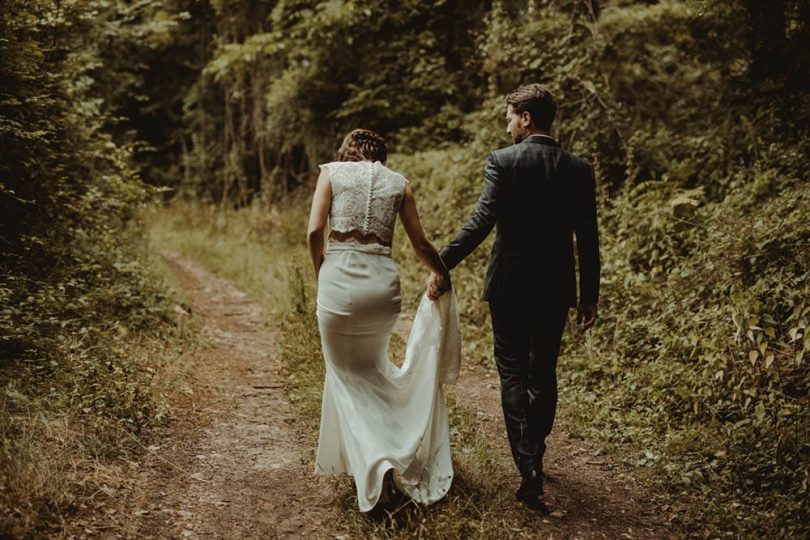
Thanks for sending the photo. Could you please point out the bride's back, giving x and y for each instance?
(366, 197)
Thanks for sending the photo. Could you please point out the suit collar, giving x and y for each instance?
(540, 139)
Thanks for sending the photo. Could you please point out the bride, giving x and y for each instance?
(380, 423)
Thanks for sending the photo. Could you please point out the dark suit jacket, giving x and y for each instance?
(539, 196)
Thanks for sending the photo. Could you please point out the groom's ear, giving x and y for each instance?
(526, 119)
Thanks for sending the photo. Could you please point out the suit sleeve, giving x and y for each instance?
(587, 234)
(482, 220)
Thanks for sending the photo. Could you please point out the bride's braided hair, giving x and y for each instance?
(361, 145)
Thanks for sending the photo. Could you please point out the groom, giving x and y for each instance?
(539, 196)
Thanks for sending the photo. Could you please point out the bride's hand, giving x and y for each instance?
(437, 285)
(431, 288)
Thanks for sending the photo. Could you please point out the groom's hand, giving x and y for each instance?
(586, 315)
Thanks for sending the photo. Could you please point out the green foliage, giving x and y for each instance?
(696, 369)
(706, 355)
(276, 93)
(693, 113)
(74, 291)
(68, 191)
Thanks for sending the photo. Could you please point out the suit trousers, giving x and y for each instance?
(527, 344)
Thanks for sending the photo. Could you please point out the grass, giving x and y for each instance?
(257, 247)
(71, 417)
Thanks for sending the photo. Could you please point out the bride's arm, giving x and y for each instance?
(424, 249)
(318, 214)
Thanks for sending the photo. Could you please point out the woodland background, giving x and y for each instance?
(209, 117)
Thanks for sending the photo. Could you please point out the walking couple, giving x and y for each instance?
(386, 425)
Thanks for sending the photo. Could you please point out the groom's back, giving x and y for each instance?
(544, 192)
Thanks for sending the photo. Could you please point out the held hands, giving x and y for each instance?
(437, 285)
(586, 316)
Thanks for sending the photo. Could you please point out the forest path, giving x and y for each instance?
(240, 467)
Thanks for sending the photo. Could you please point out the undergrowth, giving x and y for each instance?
(79, 383)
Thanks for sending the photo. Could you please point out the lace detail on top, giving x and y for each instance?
(365, 198)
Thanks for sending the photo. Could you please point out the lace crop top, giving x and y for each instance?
(366, 197)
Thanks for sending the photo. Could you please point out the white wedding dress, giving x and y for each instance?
(376, 416)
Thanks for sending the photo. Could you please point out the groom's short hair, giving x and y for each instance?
(538, 101)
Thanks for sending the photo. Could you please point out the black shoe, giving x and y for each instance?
(530, 491)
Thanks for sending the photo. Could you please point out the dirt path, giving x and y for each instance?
(248, 472)
(239, 466)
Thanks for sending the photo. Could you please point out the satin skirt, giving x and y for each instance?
(376, 416)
